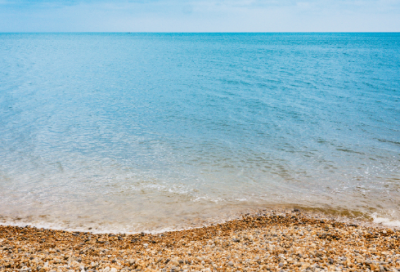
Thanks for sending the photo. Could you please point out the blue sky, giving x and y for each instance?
(199, 15)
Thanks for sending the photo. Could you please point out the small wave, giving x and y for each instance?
(385, 221)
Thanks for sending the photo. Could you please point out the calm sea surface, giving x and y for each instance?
(135, 132)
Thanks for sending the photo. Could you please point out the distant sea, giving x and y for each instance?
(129, 132)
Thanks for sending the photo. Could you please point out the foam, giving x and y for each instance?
(385, 221)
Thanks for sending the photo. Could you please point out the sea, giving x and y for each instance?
(148, 132)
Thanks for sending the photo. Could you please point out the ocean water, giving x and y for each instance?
(132, 132)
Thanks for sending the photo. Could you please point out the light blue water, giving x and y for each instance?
(131, 132)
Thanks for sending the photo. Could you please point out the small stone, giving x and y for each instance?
(295, 242)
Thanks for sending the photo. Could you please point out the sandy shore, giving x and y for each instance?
(287, 241)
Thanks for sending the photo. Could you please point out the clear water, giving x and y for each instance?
(133, 132)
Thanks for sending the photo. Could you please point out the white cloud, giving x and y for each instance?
(202, 15)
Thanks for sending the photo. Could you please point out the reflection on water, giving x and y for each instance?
(132, 132)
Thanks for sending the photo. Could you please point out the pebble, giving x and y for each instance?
(275, 241)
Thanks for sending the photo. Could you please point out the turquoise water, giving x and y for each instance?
(132, 132)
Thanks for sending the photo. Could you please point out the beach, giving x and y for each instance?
(199, 151)
(266, 241)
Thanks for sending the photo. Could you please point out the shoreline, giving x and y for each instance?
(273, 241)
(340, 215)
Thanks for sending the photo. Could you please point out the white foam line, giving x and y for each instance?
(95, 230)
(385, 221)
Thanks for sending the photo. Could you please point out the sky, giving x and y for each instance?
(200, 16)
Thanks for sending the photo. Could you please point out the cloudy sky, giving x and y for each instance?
(199, 15)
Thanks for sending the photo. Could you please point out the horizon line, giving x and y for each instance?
(194, 32)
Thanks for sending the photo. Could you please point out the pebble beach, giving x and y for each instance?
(273, 241)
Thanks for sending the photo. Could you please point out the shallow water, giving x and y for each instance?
(132, 132)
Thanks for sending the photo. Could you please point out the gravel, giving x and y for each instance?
(289, 241)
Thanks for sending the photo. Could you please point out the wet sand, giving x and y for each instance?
(273, 241)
